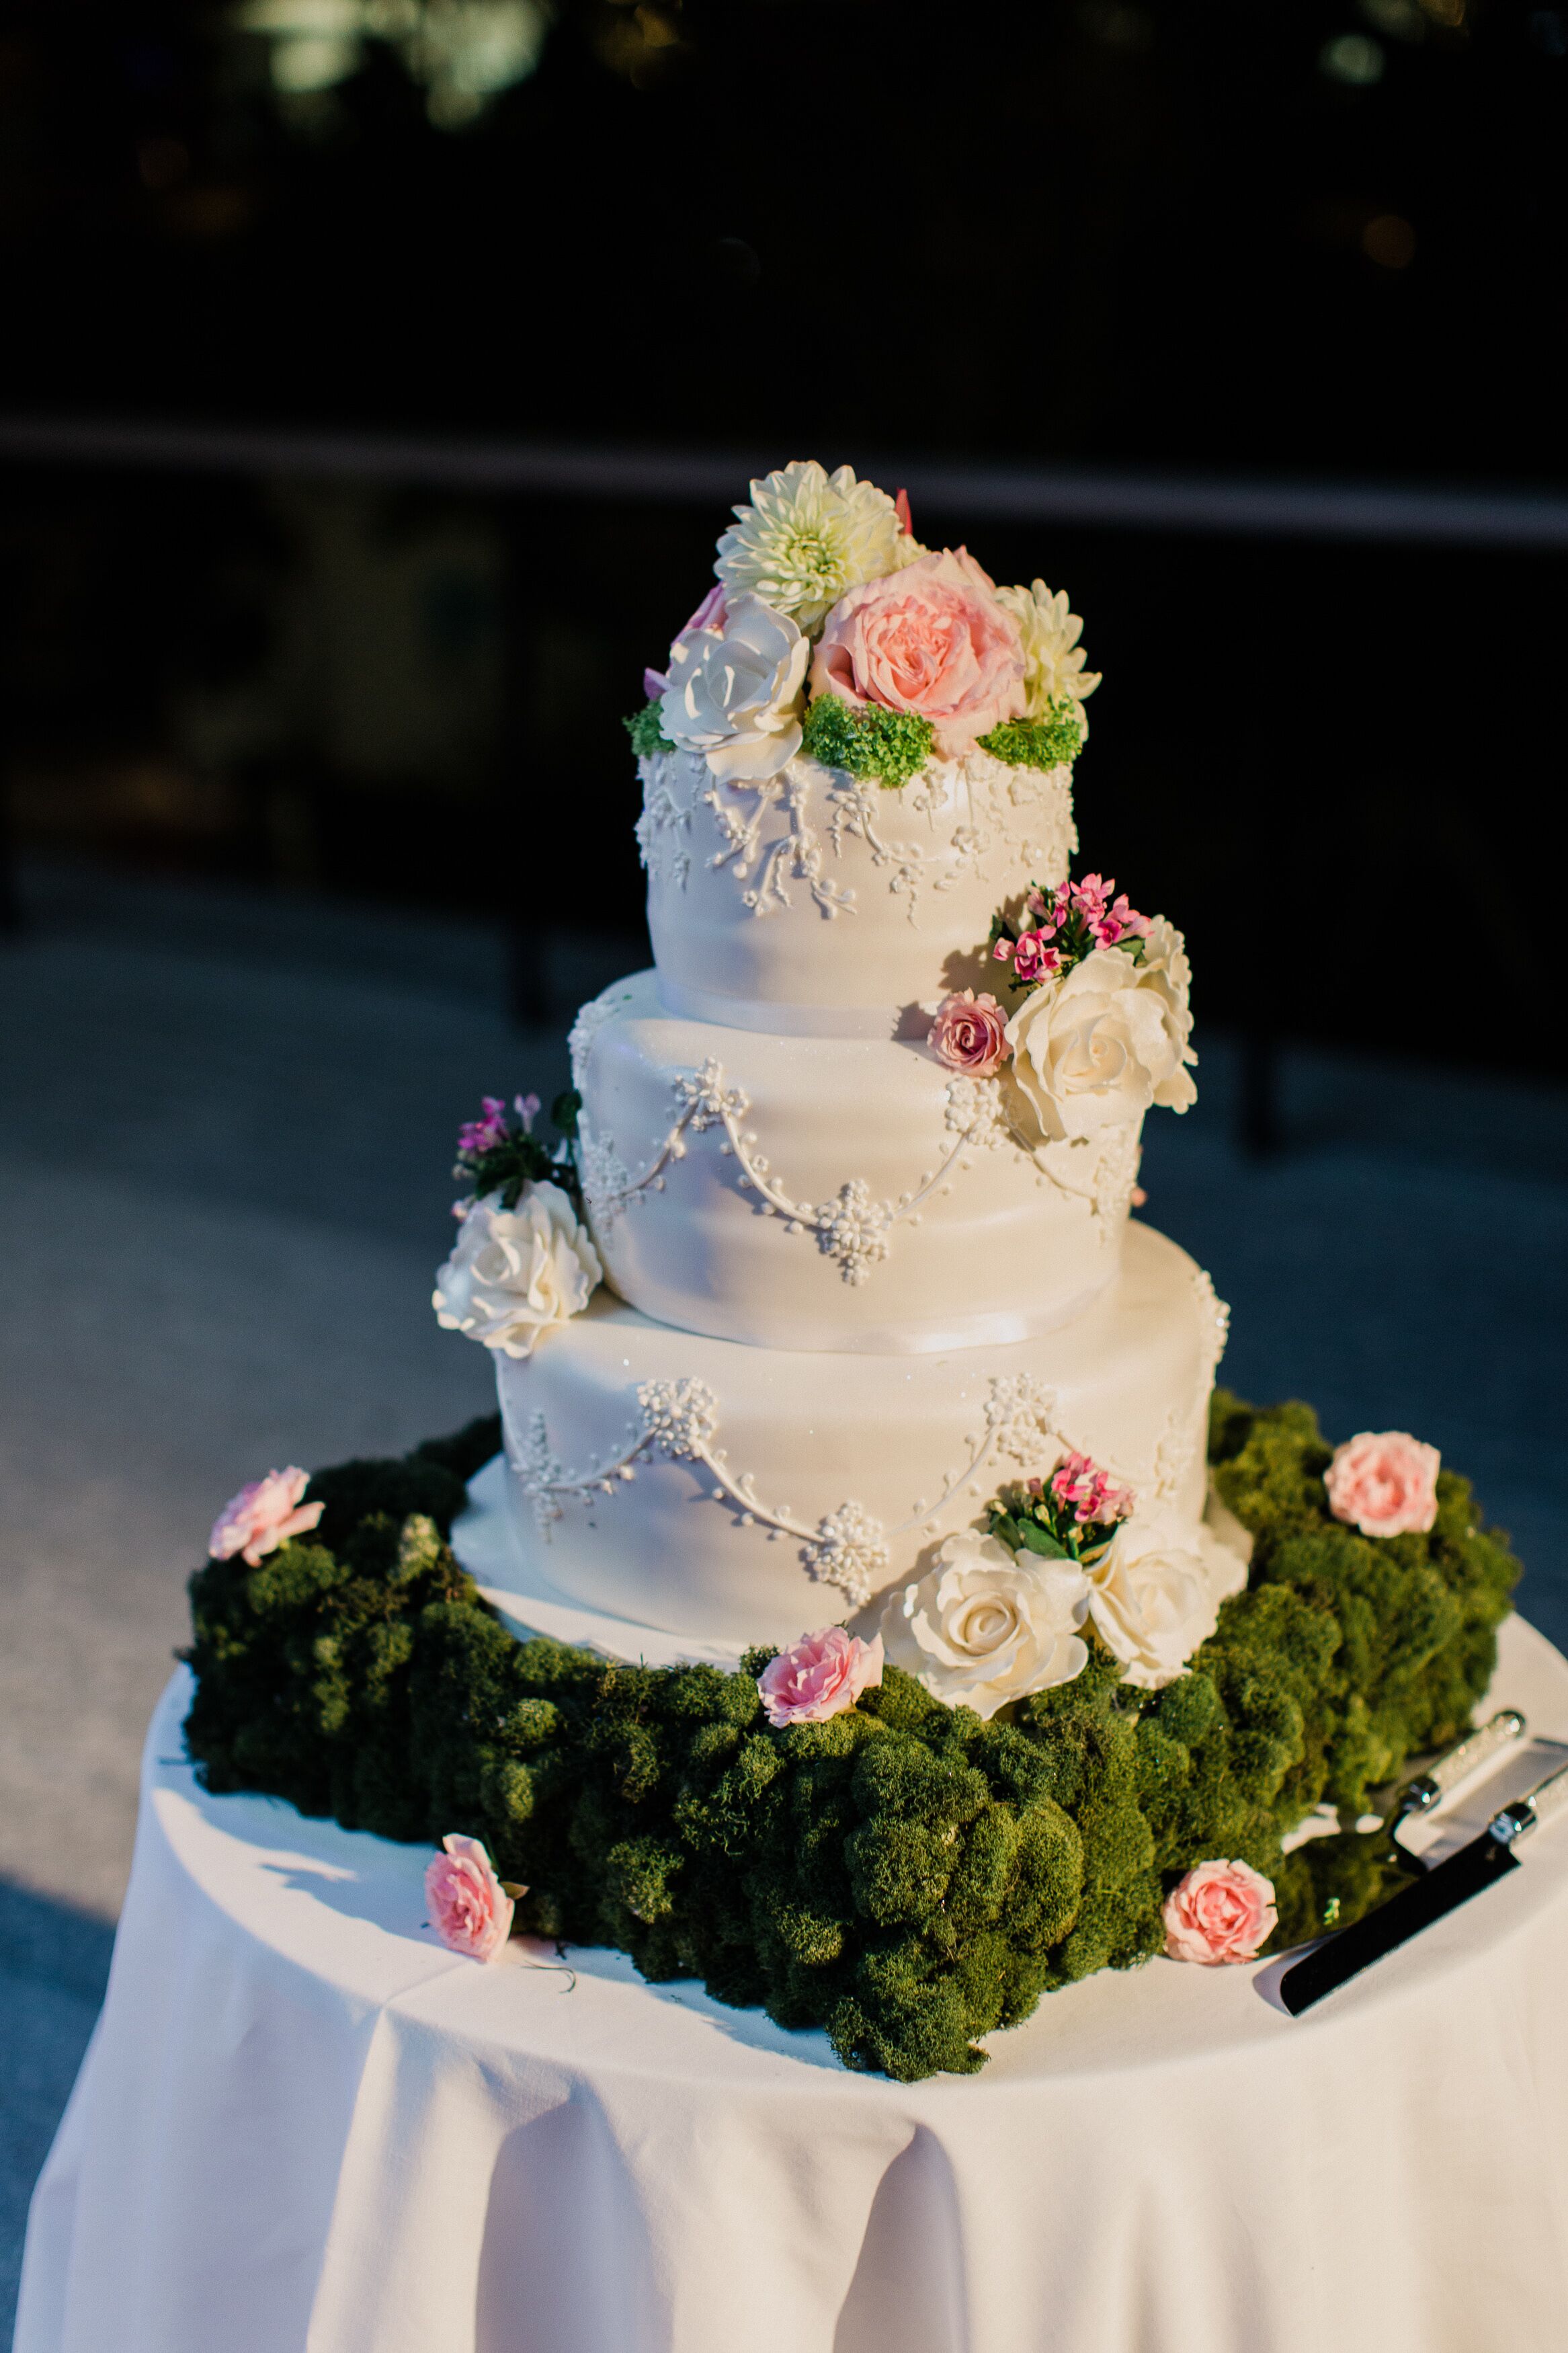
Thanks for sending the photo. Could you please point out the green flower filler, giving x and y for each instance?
(1053, 741)
(890, 746)
(904, 1876)
(646, 731)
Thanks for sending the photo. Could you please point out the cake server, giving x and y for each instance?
(1428, 1898)
(1447, 1771)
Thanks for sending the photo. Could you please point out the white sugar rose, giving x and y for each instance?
(734, 692)
(1155, 1592)
(1095, 1049)
(518, 1274)
(986, 1625)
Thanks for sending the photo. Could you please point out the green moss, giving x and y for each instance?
(646, 731)
(890, 746)
(904, 1876)
(1050, 743)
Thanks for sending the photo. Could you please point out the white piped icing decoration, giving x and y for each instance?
(847, 1548)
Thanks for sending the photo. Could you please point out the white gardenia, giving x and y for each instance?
(808, 536)
(1054, 660)
(1155, 1592)
(734, 693)
(987, 1626)
(516, 1274)
(1097, 1047)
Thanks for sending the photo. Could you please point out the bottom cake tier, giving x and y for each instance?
(745, 1494)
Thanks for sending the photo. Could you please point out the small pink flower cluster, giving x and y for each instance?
(821, 1675)
(969, 1034)
(477, 1136)
(1091, 1494)
(1078, 918)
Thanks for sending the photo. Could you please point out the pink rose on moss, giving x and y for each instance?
(709, 615)
(969, 1034)
(821, 1675)
(1220, 1912)
(470, 1911)
(931, 638)
(262, 1516)
(1385, 1482)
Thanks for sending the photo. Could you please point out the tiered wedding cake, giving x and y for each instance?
(854, 1160)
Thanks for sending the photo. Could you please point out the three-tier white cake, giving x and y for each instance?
(856, 1277)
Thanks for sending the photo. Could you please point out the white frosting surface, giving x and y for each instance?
(833, 896)
(833, 1193)
(741, 1493)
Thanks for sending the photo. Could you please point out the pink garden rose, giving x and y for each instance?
(470, 1911)
(709, 615)
(1219, 1912)
(930, 638)
(969, 1034)
(262, 1516)
(821, 1675)
(1385, 1482)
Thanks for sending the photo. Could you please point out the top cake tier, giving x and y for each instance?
(815, 904)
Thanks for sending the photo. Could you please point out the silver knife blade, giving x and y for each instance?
(1440, 1890)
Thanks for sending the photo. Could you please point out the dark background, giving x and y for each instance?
(1319, 241)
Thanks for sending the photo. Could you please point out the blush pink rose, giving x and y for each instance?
(821, 1675)
(969, 1034)
(931, 638)
(1385, 1482)
(262, 1516)
(1220, 1912)
(470, 1911)
(709, 615)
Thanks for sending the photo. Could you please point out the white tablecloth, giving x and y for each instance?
(304, 2127)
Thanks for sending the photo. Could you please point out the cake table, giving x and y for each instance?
(303, 2124)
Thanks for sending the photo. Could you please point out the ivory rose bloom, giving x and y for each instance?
(931, 639)
(709, 615)
(987, 1626)
(470, 1911)
(1385, 1483)
(1096, 1048)
(821, 1675)
(969, 1033)
(1155, 1592)
(734, 692)
(518, 1274)
(1220, 1912)
(262, 1516)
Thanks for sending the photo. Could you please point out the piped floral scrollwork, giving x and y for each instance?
(847, 1548)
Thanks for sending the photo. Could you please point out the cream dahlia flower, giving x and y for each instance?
(1054, 660)
(808, 536)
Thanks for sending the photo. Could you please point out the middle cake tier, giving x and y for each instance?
(833, 1193)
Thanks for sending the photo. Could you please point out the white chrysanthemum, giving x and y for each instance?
(808, 536)
(1054, 660)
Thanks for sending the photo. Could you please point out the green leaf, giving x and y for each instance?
(1041, 1540)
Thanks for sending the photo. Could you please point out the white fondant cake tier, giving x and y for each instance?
(832, 1193)
(815, 904)
(744, 1493)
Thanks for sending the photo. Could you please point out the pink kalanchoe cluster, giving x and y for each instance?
(821, 1675)
(1091, 1494)
(1220, 1912)
(479, 1136)
(969, 1033)
(264, 1515)
(1061, 930)
(470, 1911)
